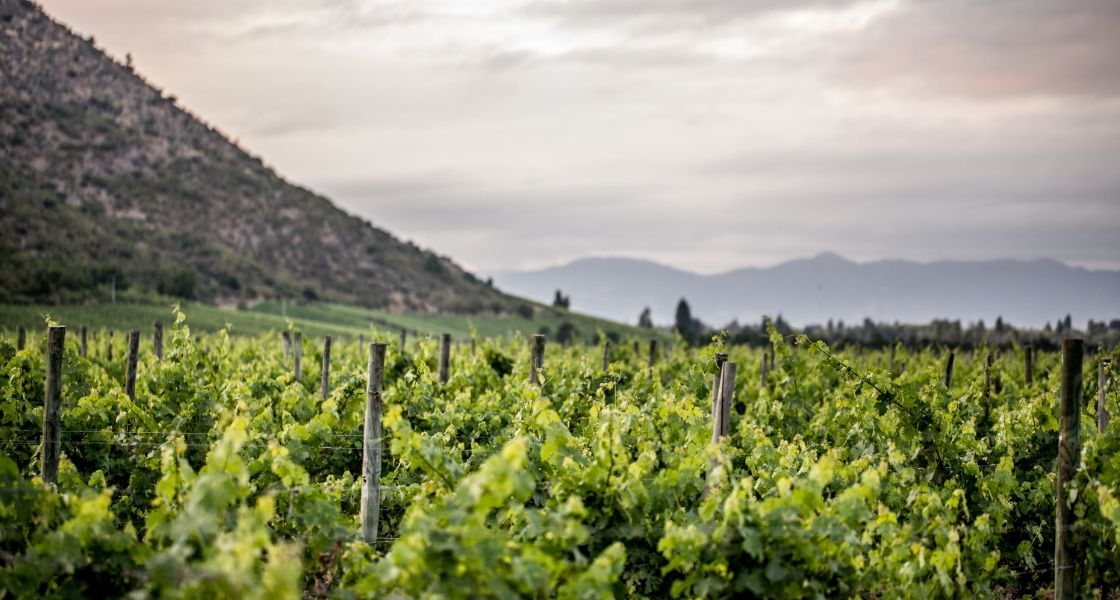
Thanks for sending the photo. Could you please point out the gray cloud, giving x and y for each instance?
(670, 13)
(991, 49)
(985, 49)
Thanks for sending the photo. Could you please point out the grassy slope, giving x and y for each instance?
(313, 320)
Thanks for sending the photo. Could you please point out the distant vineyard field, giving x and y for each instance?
(854, 473)
(317, 319)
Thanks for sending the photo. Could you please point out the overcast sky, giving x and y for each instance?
(706, 134)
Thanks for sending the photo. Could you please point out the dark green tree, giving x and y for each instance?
(691, 329)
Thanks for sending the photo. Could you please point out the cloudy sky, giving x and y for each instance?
(706, 134)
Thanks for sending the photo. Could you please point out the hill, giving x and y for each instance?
(106, 183)
(829, 286)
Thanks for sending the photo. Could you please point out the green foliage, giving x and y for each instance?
(226, 477)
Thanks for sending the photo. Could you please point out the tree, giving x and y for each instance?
(645, 320)
(561, 301)
(684, 315)
(683, 322)
(566, 333)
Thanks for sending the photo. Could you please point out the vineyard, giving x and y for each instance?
(617, 470)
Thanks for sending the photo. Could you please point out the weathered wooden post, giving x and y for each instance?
(721, 409)
(606, 354)
(109, 346)
(1069, 450)
(637, 348)
(403, 338)
(988, 361)
(297, 354)
(325, 373)
(371, 445)
(949, 370)
(52, 404)
(721, 414)
(1028, 364)
(1102, 387)
(721, 357)
(536, 358)
(287, 337)
(444, 357)
(83, 347)
(157, 340)
(130, 366)
(652, 354)
(21, 337)
(771, 356)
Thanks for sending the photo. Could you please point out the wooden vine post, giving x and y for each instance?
(403, 338)
(21, 337)
(988, 361)
(606, 354)
(371, 445)
(949, 370)
(52, 405)
(130, 366)
(536, 358)
(1069, 450)
(157, 340)
(652, 360)
(1102, 387)
(444, 357)
(721, 409)
(721, 357)
(287, 337)
(83, 348)
(1028, 364)
(325, 373)
(726, 398)
(297, 354)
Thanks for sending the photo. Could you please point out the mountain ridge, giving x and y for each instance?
(829, 286)
(106, 183)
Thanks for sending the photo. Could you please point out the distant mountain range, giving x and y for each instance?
(106, 182)
(829, 286)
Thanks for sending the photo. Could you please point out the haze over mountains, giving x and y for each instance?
(829, 286)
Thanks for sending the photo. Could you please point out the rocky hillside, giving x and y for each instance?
(105, 181)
